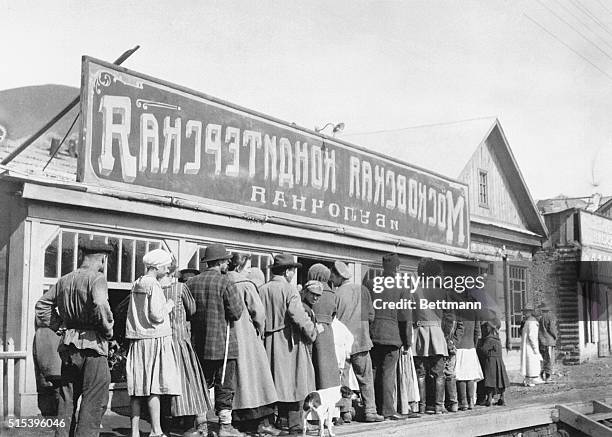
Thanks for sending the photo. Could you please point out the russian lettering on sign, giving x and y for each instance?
(141, 132)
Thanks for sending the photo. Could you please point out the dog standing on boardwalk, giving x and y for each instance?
(324, 405)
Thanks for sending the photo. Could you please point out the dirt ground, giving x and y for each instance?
(584, 382)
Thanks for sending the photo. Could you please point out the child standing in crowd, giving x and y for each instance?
(193, 400)
(490, 355)
(151, 367)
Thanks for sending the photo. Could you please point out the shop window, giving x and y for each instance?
(51, 259)
(123, 265)
(68, 253)
(483, 188)
(518, 296)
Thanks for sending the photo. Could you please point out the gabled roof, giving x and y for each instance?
(447, 148)
(605, 206)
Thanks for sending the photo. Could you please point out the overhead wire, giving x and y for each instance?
(588, 13)
(569, 47)
(563, 20)
(604, 6)
(585, 25)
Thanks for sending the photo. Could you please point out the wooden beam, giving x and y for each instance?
(582, 422)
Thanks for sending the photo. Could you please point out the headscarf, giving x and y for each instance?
(256, 276)
(318, 272)
(157, 258)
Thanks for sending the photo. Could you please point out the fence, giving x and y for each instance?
(8, 358)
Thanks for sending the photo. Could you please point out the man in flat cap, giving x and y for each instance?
(81, 300)
(547, 339)
(288, 331)
(355, 310)
(218, 306)
(390, 330)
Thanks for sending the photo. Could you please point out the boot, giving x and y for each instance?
(462, 395)
(451, 395)
(227, 430)
(439, 395)
(200, 430)
(470, 394)
(422, 394)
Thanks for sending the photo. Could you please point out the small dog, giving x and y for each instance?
(323, 404)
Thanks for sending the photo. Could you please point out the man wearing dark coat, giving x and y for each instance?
(218, 306)
(547, 339)
(390, 329)
(81, 299)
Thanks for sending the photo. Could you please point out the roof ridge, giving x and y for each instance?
(445, 123)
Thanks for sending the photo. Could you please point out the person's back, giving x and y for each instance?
(275, 296)
(547, 334)
(85, 327)
(355, 311)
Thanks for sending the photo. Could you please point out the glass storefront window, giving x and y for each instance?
(51, 259)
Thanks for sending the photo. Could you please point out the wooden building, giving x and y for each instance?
(573, 275)
(163, 166)
(506, 227)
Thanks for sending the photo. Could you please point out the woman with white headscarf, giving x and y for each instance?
(151, 367)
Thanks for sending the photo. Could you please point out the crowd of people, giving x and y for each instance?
(265, 347)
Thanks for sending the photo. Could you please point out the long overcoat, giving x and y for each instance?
(254, 384)
(288, 329)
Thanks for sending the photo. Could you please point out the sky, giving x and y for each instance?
(543, 67)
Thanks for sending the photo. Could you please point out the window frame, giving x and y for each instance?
(483, 188)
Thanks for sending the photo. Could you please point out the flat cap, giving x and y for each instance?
(315, 287)
(342, 269)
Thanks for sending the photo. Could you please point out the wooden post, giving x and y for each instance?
(10, 380)
(1, 381)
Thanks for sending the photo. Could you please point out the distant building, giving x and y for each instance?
(573, 274)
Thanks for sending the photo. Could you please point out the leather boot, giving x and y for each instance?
(227, 430)
(470, 394)
(422, 394)
(439, 394)
(462, 395)
(451, 395)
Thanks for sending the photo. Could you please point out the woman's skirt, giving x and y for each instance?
(151, 367)
(407, 384)
(468, 366)
(193, 399)
(326, 369)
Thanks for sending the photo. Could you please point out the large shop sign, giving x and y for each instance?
(142, 132)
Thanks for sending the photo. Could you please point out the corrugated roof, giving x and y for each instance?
(445, 148)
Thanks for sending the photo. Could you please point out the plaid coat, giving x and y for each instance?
(218, 303)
